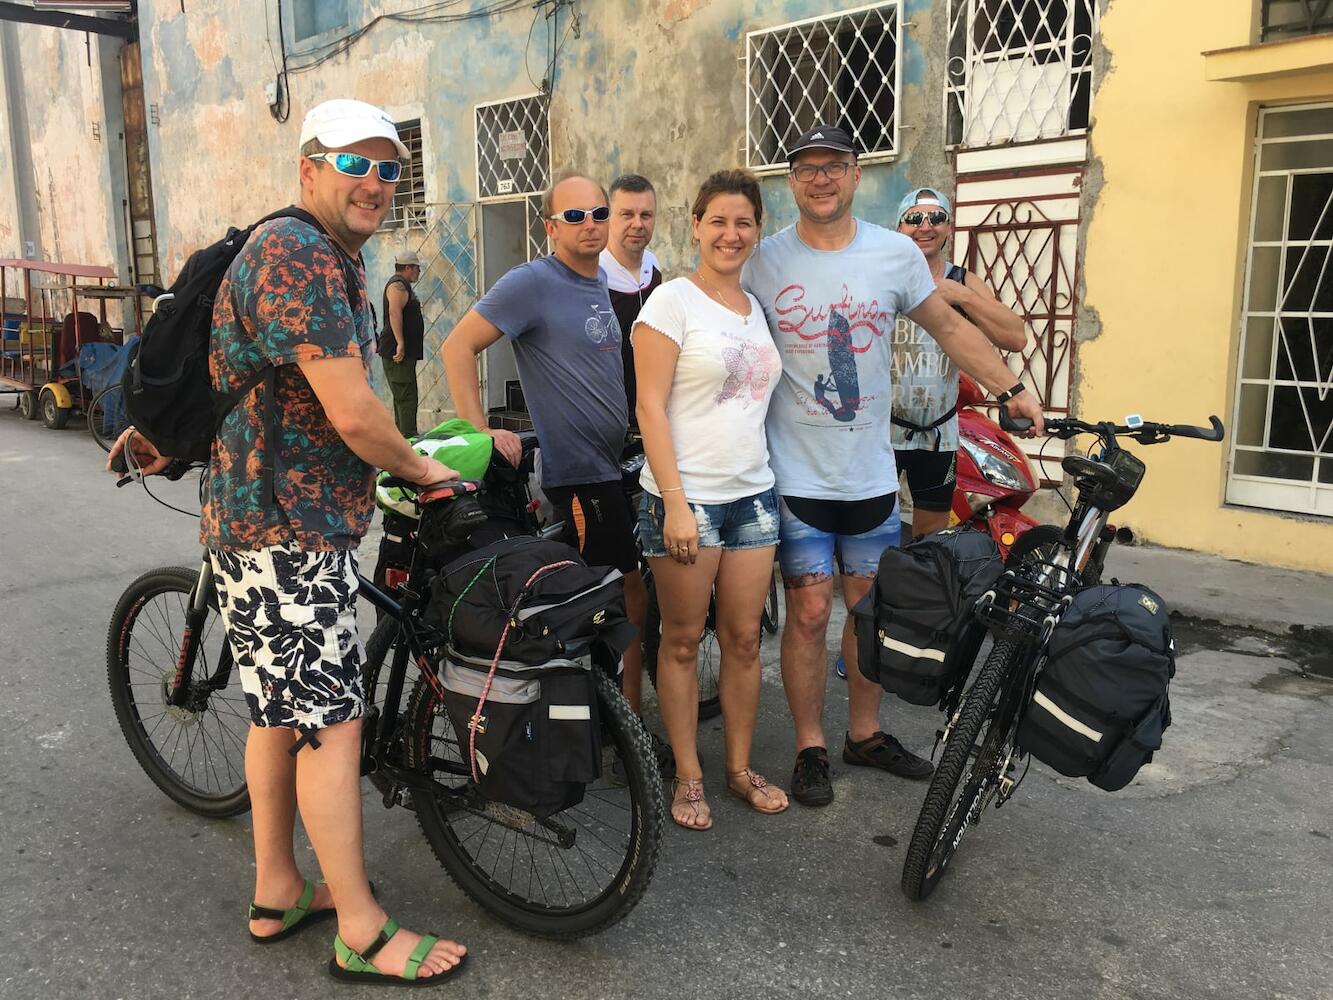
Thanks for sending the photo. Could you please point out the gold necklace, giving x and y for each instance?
(718, 295)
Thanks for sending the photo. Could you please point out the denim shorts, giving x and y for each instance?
(808, 555)
(748, 523)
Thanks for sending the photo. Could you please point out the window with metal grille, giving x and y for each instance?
(1282, 436)
(1290, 18)
(513, 147)
(840, 68)
(409, 197)
(314, 17)
(1018, 70)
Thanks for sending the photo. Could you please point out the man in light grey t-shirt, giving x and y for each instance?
(831, 286)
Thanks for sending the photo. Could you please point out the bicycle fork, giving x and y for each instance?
(195, 618)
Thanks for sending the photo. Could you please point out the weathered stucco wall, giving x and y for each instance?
(61, 94)
(1165, 257)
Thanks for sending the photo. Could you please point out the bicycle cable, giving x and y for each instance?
(132, 463)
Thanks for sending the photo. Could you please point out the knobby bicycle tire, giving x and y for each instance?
(195, 754)
(639, 785)
(982, 707)
(710, 654)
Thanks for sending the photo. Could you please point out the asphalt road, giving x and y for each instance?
(1210, 877)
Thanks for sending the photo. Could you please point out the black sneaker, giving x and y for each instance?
(887, 754)
(666, 760)
(810, 784)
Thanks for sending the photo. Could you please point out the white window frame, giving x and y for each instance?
(960, 86)
(409, 209)
(1288, 495)
(517, 191)
(754, 157)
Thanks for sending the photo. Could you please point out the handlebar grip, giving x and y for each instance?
(1009, 423)
(1214, 433)
(119, 465)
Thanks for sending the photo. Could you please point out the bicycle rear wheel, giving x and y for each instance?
(710, 653)
(107, 417)
(194, 752)
(518, 868)
(974, 755)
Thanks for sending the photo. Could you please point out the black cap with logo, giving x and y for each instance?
(822, 137)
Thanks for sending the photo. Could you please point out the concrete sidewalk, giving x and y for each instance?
(1268, 598)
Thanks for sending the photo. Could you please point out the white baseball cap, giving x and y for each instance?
(342, 122)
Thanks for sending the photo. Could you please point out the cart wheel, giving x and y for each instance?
(28, 405)
(54, 415)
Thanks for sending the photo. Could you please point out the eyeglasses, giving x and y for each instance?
(936, 218)
(575, 216)
(356, 165)
(834, 171)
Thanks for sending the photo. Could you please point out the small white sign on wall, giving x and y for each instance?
(513, 145)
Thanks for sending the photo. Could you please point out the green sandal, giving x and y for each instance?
(357, 967)
(297, 918)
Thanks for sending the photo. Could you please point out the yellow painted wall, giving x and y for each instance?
(1163, 265)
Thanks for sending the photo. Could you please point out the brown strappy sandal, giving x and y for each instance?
(755, 781)
(693, 794)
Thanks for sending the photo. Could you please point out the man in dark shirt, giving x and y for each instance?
(402, 341)
(631, 269)
(567, 345)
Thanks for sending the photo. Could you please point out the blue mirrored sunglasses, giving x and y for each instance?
(575, 216)
(356, 165)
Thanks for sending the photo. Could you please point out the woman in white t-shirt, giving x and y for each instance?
(706, 368)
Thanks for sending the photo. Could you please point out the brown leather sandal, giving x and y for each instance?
(756, 781)
(693, 795)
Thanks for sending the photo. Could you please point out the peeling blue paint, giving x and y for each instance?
(181, 88)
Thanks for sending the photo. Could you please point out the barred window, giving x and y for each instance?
(1018, 70)
(409, 197)
(841, 68)
(1280, 19)
(513, 147)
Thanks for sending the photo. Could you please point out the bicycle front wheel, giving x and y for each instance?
(973, 758)
(194, 752)
(572, 874)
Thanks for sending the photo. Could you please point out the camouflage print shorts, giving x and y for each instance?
(291, 621)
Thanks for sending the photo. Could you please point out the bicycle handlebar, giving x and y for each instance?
(1146, 433)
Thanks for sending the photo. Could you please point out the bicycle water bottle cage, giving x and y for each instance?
(1110, 484)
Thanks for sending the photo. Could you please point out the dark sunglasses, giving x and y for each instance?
(575, 216)
(356, 165)
(936, 218)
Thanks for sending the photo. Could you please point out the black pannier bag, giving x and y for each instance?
(917, 606)
(487, 594)
(1100, 704)
(537, 740)
(526, 622)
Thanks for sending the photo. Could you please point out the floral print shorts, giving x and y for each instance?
(291, 621)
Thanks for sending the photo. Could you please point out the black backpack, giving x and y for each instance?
(908, 623)
(1100, 704)
(169, 397)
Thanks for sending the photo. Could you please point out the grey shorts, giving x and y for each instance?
(291, 622)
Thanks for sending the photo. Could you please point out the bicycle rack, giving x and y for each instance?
(1018, 607)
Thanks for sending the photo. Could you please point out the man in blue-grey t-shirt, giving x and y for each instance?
(831, 286)
(567, 344)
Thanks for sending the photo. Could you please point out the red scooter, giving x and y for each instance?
(994, 477)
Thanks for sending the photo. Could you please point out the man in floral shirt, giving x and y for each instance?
(289, 496)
